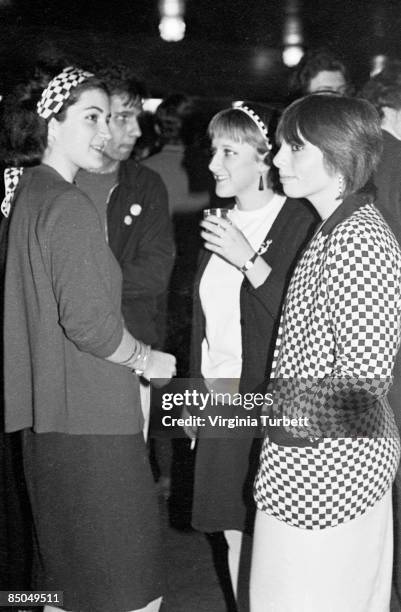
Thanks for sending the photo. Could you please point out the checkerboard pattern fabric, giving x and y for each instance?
(59, 89)
(340, 326)
(315, 488)
(256, 119)
(11, 180)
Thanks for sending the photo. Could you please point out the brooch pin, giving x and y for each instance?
(264, 246)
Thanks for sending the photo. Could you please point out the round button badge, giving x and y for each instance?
(135, 210)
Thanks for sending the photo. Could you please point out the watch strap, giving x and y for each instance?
(248, 264)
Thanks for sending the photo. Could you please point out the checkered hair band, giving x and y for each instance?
(11, 180)
(59, 89)
(50, 103)
(257, 121)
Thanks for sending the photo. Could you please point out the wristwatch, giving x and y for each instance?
(248, 264)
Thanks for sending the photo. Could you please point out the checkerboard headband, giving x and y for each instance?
(11, 180)
(59, 89)
(257, 121)
(50, 103)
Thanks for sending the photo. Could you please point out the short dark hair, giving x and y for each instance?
(384, 89)
(23, 133)
(121, 80)
(346, 130)
(313, 62)
(173, 116)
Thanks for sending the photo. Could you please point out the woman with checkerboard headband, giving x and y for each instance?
(70, 367)
(236, 309)
(323, 532)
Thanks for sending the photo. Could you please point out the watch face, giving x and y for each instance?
(248, 264)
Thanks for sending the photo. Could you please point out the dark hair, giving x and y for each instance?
(91, 83)
(23, 134)
(384, 89)
(173, 117)
(120, 80)
(346, 130)
(149, 141)
(311, 64)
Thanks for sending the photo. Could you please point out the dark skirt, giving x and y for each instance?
(225, 469)
(96, 524)
(15, 517)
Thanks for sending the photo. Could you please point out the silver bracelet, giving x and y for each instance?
(141, 361)
(138, 347)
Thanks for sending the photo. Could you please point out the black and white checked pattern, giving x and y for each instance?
(340, 322)
(315, 488)
(59, 89)
(11, 180)
(257, 121)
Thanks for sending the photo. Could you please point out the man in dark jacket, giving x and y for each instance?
(132, 201)
(384, 92)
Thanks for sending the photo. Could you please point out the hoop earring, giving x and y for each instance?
(261, 184)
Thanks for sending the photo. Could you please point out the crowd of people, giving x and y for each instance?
(292, 286)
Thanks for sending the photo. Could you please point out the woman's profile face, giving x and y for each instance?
(236, 167)
(303, 172)
(80, 139)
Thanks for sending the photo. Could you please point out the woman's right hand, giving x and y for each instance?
(160, 366)
(224, 238)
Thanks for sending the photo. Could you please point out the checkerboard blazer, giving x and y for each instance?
(339, 332)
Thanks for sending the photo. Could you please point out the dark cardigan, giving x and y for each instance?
(62, 316)
(261, 307)
(144, 249)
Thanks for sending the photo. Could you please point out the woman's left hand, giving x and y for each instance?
(225, 239)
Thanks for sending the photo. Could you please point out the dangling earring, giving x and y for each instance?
(261, 184)
(340, 187)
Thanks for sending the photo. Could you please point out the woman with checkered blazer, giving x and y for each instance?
(323, 533)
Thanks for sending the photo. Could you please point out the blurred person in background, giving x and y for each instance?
(180, 159)
(320, 71)
(237, 304)
(182, 166)
(148, 142)
(384, 92)
(176, 121)
(133, 203)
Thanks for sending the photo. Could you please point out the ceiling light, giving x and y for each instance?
(172, 29)
(292, 55)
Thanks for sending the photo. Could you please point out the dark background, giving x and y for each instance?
(232, 48)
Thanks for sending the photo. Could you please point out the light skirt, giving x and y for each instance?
(346, 568)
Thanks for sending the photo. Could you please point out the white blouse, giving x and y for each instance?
(219, 292)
